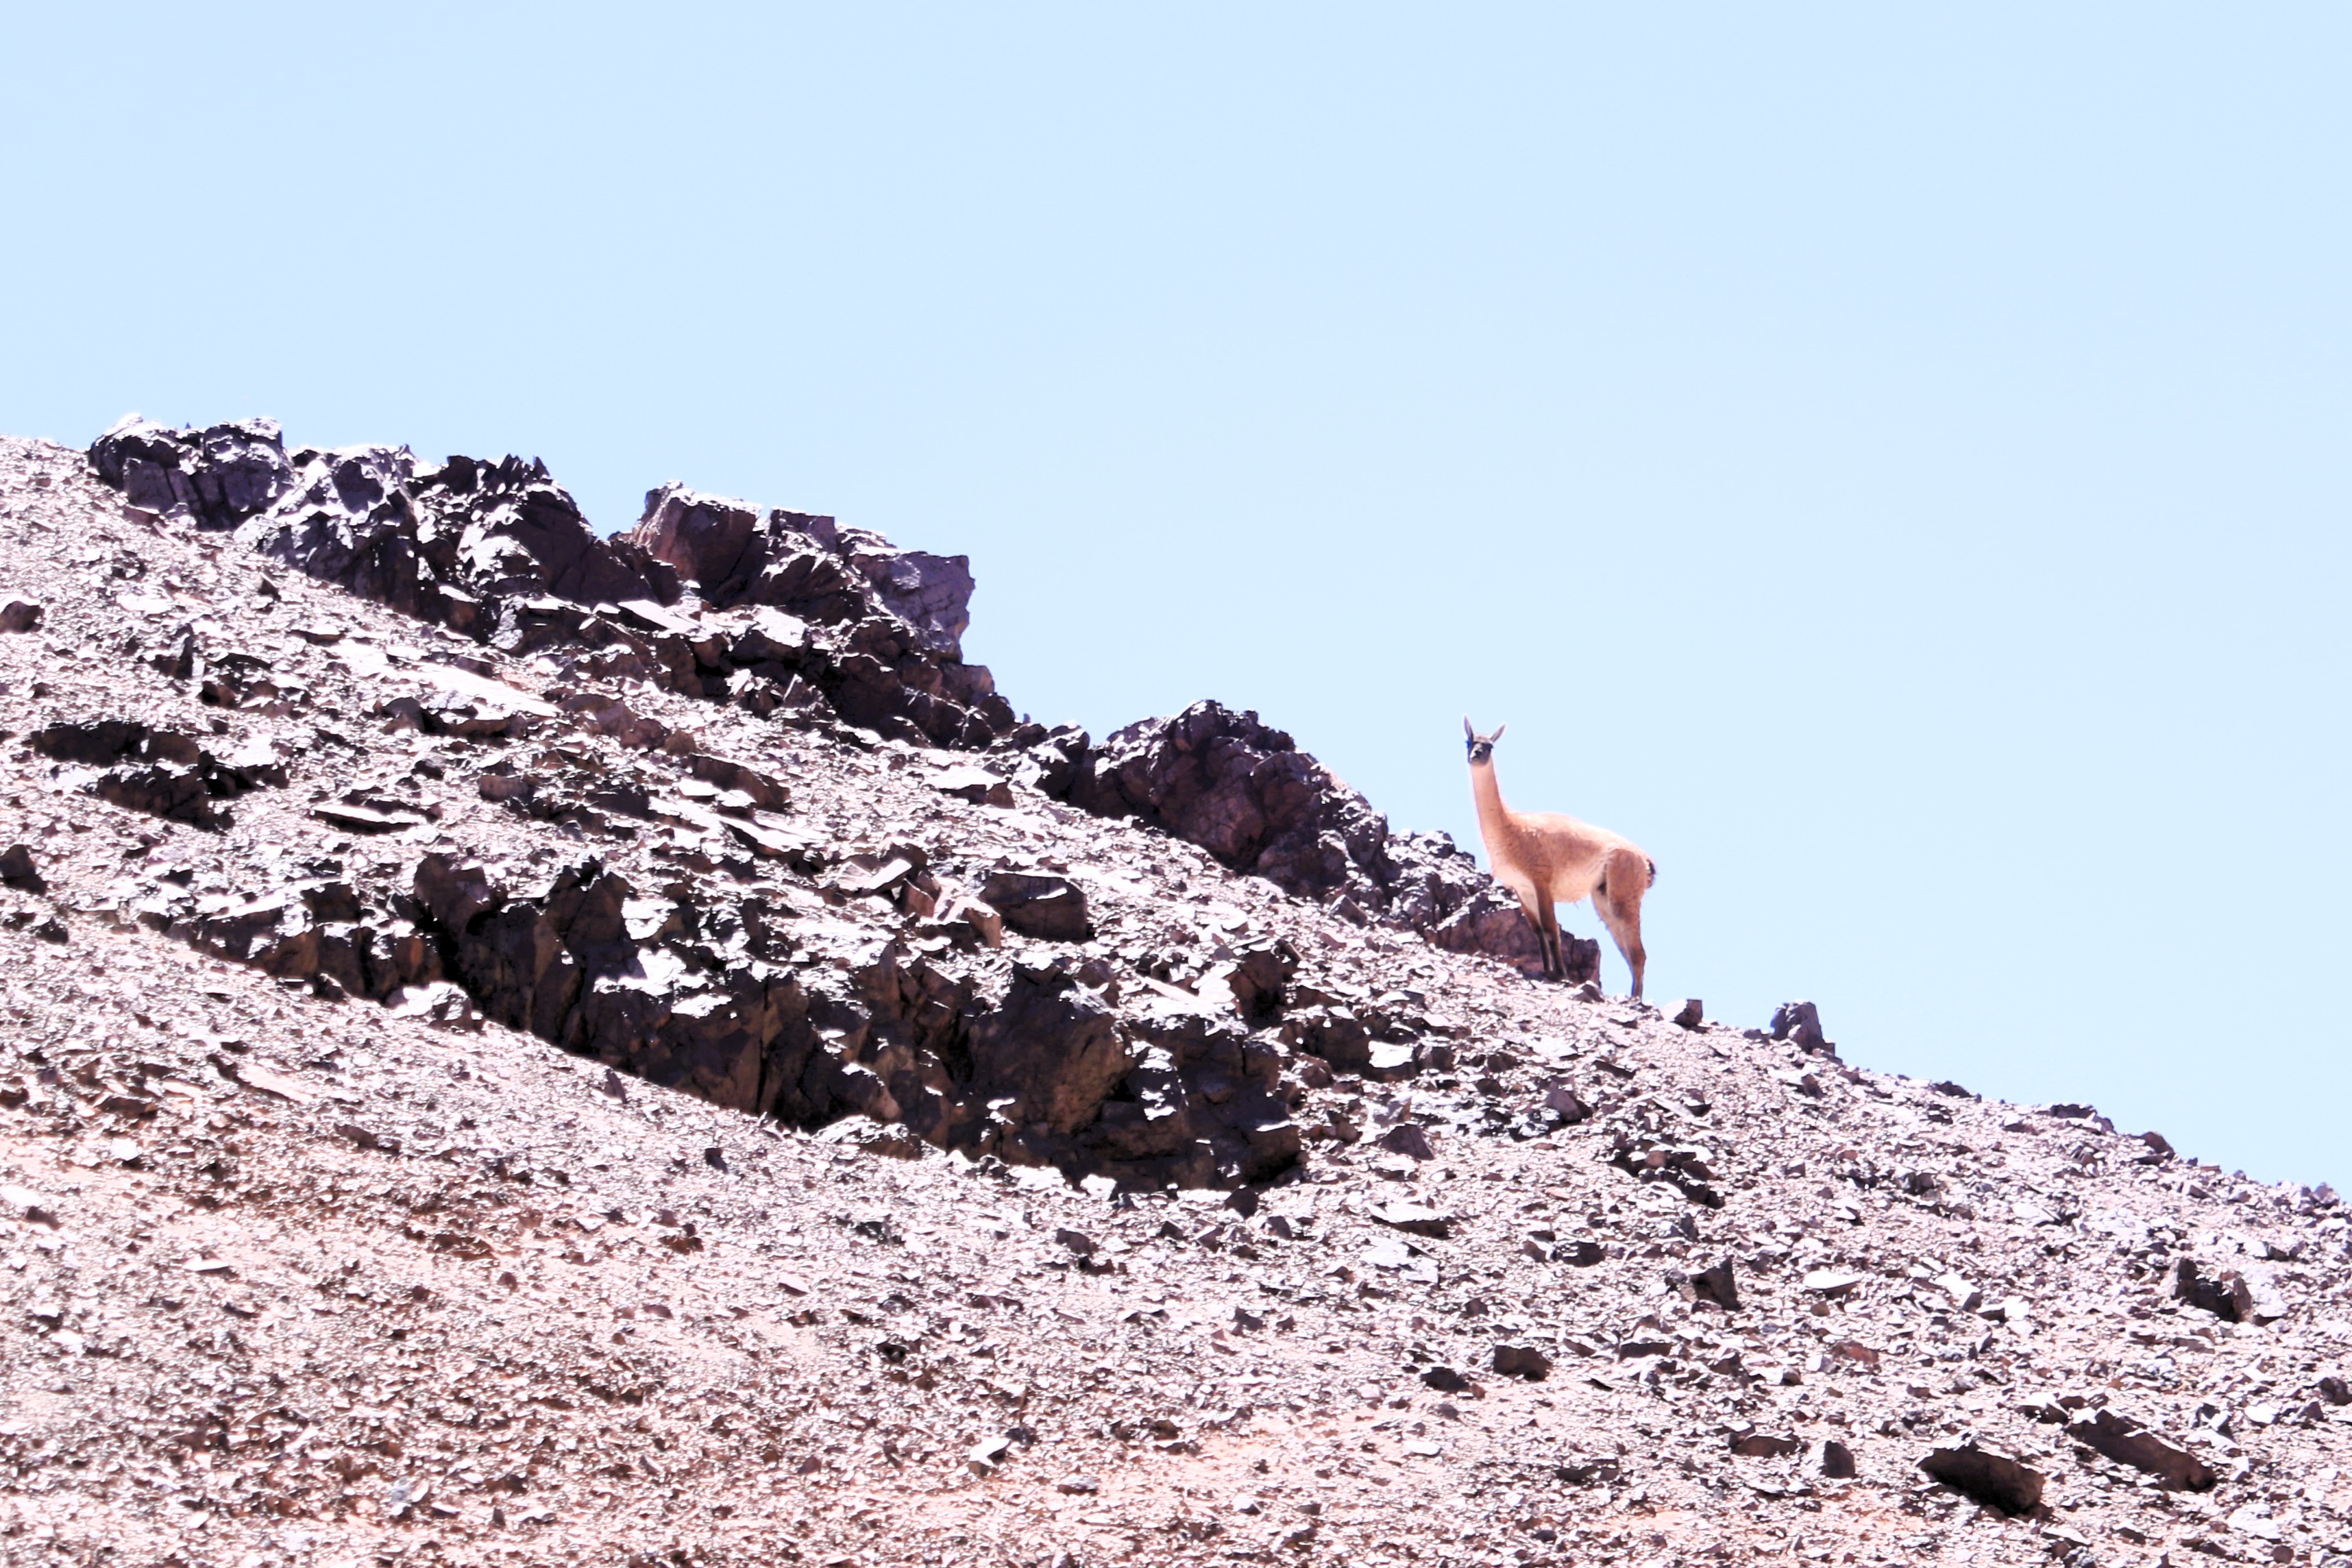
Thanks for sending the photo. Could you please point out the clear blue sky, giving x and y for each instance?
(1892, 465)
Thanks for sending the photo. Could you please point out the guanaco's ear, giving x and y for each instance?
(1467, 730)
(1497, 734)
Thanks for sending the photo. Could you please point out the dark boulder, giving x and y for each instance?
(1201, 1105)
(216, 478)
(1491, 920)
(1048, 1055)
(1258, 978)
(1335, 1034)
(1994, 1479)
(2126, 1441)
(1244, 792)
(1763, 1446)
(1799, 1024)
(1522, 1361)
(683, 992)
(1040, 904)
(1717, 1285)
(18, 870)
(499, 552)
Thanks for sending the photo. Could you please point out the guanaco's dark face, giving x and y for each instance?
(1480, 747)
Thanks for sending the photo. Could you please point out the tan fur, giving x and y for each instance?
(1548, 858)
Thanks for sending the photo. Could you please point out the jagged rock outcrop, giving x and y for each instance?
(876, 630)
(1244, 792)
(825, 621)
(807, 563)
(790, 615)
(216, 477)
(704, 996)
(159, 772)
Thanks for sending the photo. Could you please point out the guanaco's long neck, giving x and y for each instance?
(1492, 815)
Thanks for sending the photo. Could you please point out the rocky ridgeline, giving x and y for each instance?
(695, 968)
(1074, 1156)
(789, 615)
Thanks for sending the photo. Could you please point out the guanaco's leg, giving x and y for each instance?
(1548, 932)
(1618, 902)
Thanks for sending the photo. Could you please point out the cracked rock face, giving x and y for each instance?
(500, 554)
(531, 1047)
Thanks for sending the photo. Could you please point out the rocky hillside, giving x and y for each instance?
(537, 1047)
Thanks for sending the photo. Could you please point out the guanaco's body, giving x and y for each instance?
(1548, 858)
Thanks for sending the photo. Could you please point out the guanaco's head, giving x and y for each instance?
(1481, 747)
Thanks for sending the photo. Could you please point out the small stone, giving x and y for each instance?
(1964, 1296)
(2256, 1520)
(1691, 1015)
(1419, 1219)
(1038, 904)
(366, 1137)
(1994, 1479)
(18, 871)
(1562, 1101)
(1716, 1285)
(2125, 1440)
(977, 785)
(18, 615)
(1799, 1024)
(2227, 1296)
(1763, 1446)
(1078, 1241)
(1446, 1380)
(402, 1496)
(1522, 1361)
(1836, 1460)
(984, 925)
(1407, 1138)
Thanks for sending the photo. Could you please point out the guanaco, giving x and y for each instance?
(1545, 857)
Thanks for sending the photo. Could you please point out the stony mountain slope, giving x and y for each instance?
(526, 1048)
